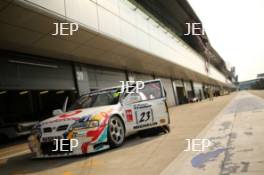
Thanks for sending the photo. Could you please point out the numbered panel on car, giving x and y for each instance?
(146, 108)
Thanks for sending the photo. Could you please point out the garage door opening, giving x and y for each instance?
(20, 109)
(181, 95)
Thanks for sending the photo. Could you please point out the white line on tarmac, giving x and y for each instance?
(15, 154)
(11, 149)
(170, 169)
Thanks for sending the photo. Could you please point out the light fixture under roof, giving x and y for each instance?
(2, 92)
(33, 64)
(59, 92)
(43, 92)
(23, 92)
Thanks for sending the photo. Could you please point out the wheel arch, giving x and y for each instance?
(119, 116)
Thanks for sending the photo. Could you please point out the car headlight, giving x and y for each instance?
(36, 130)
(19, 128)
(92, 123)
(86, 124)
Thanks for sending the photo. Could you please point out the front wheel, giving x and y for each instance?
(116, 132)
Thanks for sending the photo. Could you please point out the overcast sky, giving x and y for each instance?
(236, 30)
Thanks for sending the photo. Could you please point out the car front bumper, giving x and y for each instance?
(88, 141)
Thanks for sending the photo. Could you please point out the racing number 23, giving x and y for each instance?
(145, 116)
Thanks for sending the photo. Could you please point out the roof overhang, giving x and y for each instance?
(174, 14)
(31, 34)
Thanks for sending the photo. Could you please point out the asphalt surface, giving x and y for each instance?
(237, 141)
(259, 93)
(148, 155)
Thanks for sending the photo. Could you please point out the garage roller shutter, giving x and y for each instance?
(198, 90)
(188, 85)
(167, 83)
(101, 78)
(19, 72)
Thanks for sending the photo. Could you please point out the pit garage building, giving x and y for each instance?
(117, 40)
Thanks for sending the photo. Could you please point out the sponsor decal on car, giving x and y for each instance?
(129, 115)
(145, 125)
(99, 133)
(140, 106)
(70, 114)
(144, 113)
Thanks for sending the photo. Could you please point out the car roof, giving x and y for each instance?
(100, 91)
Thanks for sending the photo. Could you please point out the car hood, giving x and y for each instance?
(89, 113)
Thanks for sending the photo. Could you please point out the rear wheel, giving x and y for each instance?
(154, 131)
(166, 128)
(116, 132)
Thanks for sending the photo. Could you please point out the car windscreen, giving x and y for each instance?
(96, 99)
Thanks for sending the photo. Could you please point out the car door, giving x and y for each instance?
(146, 108)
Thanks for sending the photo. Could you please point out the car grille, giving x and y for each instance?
(47, 129)
(62, 127)
(59, 128)
(50, 139)
(21, 128)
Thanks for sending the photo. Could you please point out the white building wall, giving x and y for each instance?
(121, 20)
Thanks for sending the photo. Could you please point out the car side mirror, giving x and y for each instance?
(57, 112)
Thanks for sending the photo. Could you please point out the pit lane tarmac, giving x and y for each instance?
(147, 155)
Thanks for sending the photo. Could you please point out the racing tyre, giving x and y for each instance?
(116, 132)
(166, 128)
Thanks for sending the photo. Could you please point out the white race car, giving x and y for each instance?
(100, 120)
